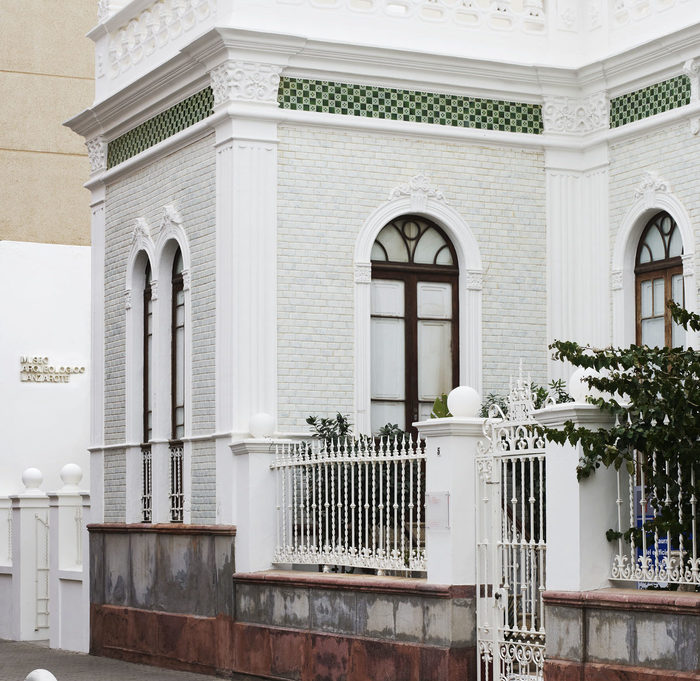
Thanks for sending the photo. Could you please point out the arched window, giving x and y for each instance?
(177, 390)
(414, 320)
(659, 278)
(146, 379)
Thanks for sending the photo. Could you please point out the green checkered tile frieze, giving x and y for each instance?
(409, 105)
(184, 114)
(649, 101)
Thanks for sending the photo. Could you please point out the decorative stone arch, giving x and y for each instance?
(171, 236)
(418, 197)
(652, 196)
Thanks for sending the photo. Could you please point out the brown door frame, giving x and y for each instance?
(411, 274)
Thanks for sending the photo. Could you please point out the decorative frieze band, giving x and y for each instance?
(649, 101)
(240, 81)
(576, 116)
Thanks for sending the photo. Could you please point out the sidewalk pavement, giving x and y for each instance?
(17, 659)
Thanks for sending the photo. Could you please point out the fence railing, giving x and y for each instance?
(146, 484)
(355, 503)
(177, 489)
(657, 522)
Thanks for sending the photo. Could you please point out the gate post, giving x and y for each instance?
(29, 604)
(450, 498)
(579, 557)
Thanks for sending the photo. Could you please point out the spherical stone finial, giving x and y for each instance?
(261, 425)
(40, 675)
(578, 387)
(32, 479)
(464, 402)
(71, 474)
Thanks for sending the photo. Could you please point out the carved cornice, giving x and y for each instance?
(651, 185)
(474, 280)
(688, 264)
(240, 81)
(363, 273)
(576, 116)
(691, 68)
(97, 154)
(419, 190)
(616, 280)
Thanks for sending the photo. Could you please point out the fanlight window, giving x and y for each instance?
(412, 240)
(659, 278)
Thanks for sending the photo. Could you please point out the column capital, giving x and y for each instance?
(245, 81)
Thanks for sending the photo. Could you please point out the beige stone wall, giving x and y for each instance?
(46, 76)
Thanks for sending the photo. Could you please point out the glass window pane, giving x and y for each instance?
(394, 244)
(387, 298)
(655, 244)
(659, 299)
(424, 410)
(387, 358)
(427, 247)
(434, 359)
(677, 335)
(378, 252)
(653, 332)
(434, 300)
(388, 412)
(645, 288)
(675, 248)
(644, 255)
(444, 257)
(677, 288)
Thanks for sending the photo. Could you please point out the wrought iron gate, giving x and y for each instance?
(511, 541)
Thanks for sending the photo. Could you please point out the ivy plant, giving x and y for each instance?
(653, 397)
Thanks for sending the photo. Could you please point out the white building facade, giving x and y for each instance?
(250, 159)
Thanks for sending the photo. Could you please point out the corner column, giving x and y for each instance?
(578, 280)
(245, 99)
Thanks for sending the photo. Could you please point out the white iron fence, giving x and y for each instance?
(356, 503)
(658, 523)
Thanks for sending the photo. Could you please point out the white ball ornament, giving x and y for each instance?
(261, 425)
(32, 478)
(464, 402)
(71, 474)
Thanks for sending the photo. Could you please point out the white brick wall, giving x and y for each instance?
(672, 153)
(203, 482)
(186, 180)
(329, 183)
(115, 486)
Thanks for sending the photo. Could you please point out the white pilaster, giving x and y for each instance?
(97, 208)
(450, 492)
(579, 557)
(246, 266)
(578, 288)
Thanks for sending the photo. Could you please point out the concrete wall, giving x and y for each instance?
(47, 74)
(623, 634)
(330, 181)
(45, 312)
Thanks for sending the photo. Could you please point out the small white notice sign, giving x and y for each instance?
(437, 510)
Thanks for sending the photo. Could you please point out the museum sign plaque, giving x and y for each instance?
(41, 370)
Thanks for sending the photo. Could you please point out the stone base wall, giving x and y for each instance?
(292, 625)
(167, 595)
(162, 594)
(622, 635)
